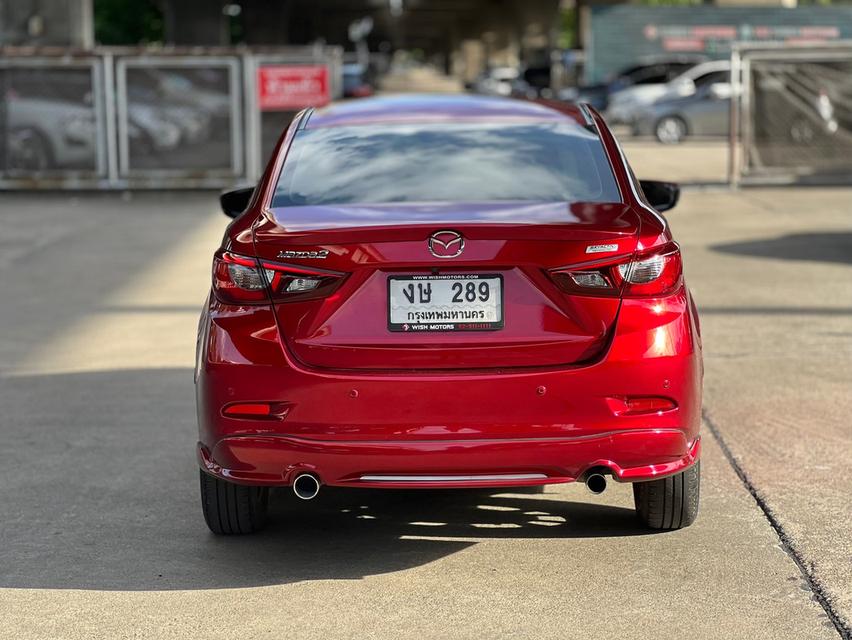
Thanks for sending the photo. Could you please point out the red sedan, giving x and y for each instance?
(448, 292)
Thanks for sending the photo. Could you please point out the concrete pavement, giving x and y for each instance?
(772, 273)
(103, 536)
(699, 162)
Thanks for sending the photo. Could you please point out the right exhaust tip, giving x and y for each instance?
(306, 486)
(596, 483)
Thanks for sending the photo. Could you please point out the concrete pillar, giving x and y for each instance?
(67, 23)
(83, 16)
(469, 60)
(540, 20)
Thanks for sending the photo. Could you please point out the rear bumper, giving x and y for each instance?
(461, 429)
(278, 460)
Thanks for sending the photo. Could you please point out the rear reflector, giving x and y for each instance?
(257, 410)
(248, 409)
(639, 405)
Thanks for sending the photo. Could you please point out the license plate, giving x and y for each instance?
(461, 302)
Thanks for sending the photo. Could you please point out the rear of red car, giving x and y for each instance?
(447, 295)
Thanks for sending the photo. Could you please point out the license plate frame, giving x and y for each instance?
(446, 326)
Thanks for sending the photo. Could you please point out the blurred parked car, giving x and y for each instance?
(194, 123)
(355, 83)
(653, 70)
(817, 103)
(626, 105)
(704, 113)
(173, 86)
(524, 90)
(149, 131)
(45, 134)
(497, 81)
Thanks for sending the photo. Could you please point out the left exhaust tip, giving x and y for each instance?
(306, 486)
(596, 483)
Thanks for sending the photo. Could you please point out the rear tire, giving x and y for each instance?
(669, 503)
(670, 130)
(232, 508)
(28, 151)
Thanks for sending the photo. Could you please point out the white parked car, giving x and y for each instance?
(497, 81)
(626, 105)
(44, 134)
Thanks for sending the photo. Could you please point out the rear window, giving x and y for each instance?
(445, 163)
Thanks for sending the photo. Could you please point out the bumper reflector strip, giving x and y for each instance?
(486, 478)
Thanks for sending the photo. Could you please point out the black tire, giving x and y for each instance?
(669, 503)
(28, 150)
(232, 508)
(670, 130)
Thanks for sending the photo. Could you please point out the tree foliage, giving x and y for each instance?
(127, 22)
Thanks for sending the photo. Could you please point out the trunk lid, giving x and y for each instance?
(541, 325)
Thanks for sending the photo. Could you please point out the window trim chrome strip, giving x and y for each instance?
(590, 122)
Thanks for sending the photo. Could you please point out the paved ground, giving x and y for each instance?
(102, 535)
(699, 162)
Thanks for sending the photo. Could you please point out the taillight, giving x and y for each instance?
(651, 273)
(244, 280)
(236, 279)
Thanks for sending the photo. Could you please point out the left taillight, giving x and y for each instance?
(245, 280)
(655, 272)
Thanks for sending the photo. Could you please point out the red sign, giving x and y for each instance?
(288, 87)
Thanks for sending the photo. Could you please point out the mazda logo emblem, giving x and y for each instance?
(446, 244)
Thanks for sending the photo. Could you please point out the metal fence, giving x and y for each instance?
(126, 118)
(792, 121)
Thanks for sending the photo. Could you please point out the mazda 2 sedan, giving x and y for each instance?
(448, 292)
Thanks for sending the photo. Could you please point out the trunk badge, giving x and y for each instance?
(601, 248)
(446, 244)
(322, 254)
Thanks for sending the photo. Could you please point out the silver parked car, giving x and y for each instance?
(44, 134)
(704, 113)
(626, 105)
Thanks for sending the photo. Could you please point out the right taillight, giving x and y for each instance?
(245, 280)
(654, 272)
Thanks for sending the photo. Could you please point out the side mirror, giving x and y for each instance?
(721, 90)
(235, 202)
(684, 87)
(661, 195)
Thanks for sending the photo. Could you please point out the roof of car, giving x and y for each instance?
(706, 67)
(401, 109)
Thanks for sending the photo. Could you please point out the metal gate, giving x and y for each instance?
(792, 121)
(53, 123)
(128, 118)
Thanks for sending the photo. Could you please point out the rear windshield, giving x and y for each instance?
(445, 163)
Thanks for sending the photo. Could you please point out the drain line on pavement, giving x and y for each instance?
(786, 543)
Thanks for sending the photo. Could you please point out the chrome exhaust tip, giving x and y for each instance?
(306, 486)
(596, 483)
